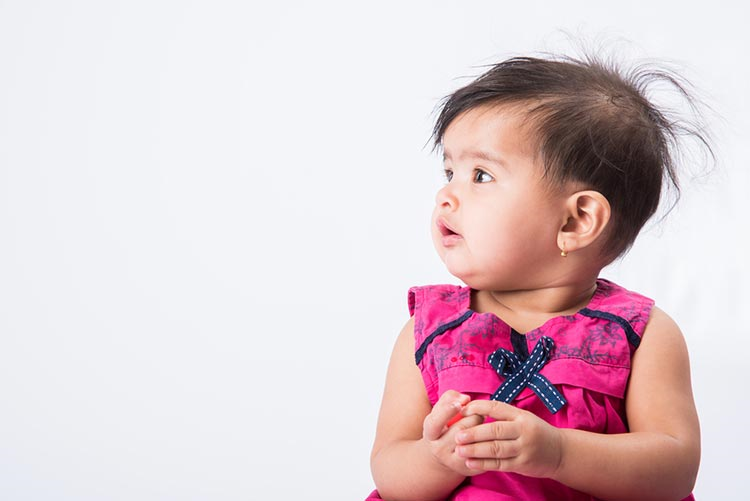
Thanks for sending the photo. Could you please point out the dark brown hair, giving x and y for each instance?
(594, 125)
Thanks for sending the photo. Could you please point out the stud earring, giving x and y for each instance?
(563, 253)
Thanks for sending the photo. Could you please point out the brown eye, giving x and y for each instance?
(448, 174)
(481, 176)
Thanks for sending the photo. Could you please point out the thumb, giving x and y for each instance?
(445, 409)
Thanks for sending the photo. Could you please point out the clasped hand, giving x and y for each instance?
(514, 441)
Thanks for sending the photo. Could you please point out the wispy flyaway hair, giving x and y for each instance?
(593, 124)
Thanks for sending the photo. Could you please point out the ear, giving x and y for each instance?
(586, 218)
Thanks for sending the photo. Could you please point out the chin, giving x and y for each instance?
(477, 282)
(466, 274)
(463, 275)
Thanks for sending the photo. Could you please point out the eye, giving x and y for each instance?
(448, 174)
(481, 176)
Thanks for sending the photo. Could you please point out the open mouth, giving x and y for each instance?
(445, 230)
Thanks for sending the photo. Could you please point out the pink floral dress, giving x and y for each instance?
(572, 371)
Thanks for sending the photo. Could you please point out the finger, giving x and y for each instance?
(460, 416)
(494, 449)
(462, 422)
(492, 408)
(445, 408)
(496, 430)
(489, 464)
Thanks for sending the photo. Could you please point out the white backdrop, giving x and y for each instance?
(210, 214)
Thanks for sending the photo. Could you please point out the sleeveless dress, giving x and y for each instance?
(572, 371)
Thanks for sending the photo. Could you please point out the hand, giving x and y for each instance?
(516, 441)
(439, 431)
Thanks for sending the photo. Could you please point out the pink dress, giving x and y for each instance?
(572, 371)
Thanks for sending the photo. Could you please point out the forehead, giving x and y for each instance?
(489, 132)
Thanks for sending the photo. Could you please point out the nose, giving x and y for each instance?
(446, 198)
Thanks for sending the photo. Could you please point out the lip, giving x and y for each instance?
(448, 236)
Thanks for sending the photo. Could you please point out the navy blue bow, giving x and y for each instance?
(520, 373)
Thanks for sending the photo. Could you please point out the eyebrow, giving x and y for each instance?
(477, 154)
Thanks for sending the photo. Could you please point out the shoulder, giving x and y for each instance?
(442, 295)
(662, 334)
(617, 304)
(618, 300)
(663, 353)
(433, 305)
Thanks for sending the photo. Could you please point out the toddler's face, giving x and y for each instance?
(495, 222)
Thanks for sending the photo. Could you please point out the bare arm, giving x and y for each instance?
(657, 459)
(413, 457)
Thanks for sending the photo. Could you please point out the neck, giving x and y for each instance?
(526, 309)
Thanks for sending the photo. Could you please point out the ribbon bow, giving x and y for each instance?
(519, 373)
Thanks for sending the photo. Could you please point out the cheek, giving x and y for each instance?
(495, 250)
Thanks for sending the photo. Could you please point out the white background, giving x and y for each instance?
(210, 213)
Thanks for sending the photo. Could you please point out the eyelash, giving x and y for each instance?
(478, 173)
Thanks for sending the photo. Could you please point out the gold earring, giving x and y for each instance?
(562, 251)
